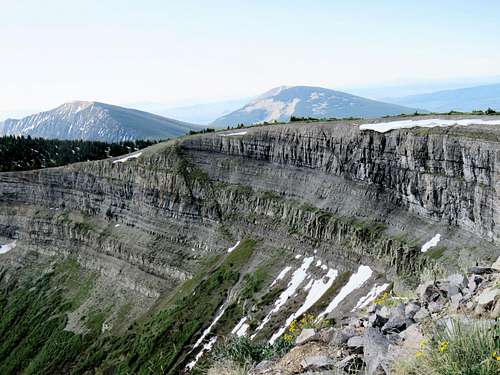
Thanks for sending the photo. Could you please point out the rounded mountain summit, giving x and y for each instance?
(281, 103)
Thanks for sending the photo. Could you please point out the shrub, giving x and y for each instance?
(464, 348)
(244, 351)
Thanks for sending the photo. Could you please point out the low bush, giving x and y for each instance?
(462, 348)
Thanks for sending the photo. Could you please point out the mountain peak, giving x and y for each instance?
(90, 120)
(283, 102)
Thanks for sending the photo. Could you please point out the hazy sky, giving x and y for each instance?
(121, 51)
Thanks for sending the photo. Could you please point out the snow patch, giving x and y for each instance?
(383, 127)
(206, 348)
(318, 289)
(7, 247)
(233, 134)
(355, 281)
(298, 277)
(126, 158)
(370, 297)
(431, 243)
(234, 247)
(241, 328)
(207, 331)
(281, 275)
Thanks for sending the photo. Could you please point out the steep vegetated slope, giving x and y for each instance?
(281, 103)
(142, 265)
(96, 121)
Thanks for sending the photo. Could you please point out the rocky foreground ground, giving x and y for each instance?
(394, 333)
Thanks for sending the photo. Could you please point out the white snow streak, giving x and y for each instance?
(318, 288)
(281, 276)
(233, 134)
(206, 348)
(234, 247)
(355, 281)
(241, 328)
(370, 297)
(7, 247)
(431, 243)
(126, 158)
(298, 277)
(207, 331)
(383, 127)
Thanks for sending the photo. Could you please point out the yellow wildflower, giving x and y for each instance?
(419, 354)
(496, 356)
(443, 345)
(423, 343)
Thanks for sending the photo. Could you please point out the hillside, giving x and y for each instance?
(280, 103)
(464, 99)
(22, 154)
(148, 263)
(95, 121)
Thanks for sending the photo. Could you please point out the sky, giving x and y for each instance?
(184, 52)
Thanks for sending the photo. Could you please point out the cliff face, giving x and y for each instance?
(328, 190)
(438, 176)
(416, 182)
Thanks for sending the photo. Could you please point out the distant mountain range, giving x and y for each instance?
(96, 121)
(463, 99)
(281, 103)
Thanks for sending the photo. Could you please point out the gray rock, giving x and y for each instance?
(482, 270)
(395, 324)
(305, 336)
(488, 296)
(375, 347)
(421, 315)
(495, 312)
(455, 302)
(411, 309)
(341, 336)
(376, 320)
(351, 364)
(435, 307)
(473, 282)
(385, 312)
(355, 342)
(496, 265)
(262, 367)
(458, 280)
(317, 362)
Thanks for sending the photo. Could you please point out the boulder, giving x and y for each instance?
(458, 280)
(435, 307)
(473, 282)
(482, 270)
(350, 364)
(495, 312)
(455, 302)
(376, 320)
(488, 296)
(421, 315)
(317, 362)
(496, 265)
(341, 336)
(305, 336)
(411, 309)
(355, 342)
(375, 347)
(395, 324)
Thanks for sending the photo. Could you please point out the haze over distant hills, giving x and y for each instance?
(280, 103)
(463, 99)
(96, 121)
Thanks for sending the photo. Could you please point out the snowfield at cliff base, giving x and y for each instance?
(383, 127)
